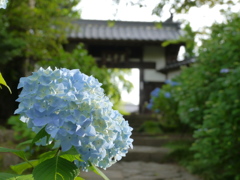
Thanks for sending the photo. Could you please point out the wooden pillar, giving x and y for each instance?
(141, 84)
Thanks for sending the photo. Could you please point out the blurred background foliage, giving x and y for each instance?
(184, 6)
(33, 34)
(180, 6)
(207, 98)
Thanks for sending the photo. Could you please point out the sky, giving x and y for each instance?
(106, 10)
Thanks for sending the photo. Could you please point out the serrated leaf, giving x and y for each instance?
(41, 134)
(98, 172)
(20, 168)
(3, 82)
(24, 143)
(56, 168)
(7, 176)
(47, 155)
(71, 153)
(19, 153)
(71, 158)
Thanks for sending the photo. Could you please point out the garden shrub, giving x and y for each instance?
(208, 98)
(163, 103)
(219, 133)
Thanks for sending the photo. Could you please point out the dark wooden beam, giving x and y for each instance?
(175, 65)
(145, 65)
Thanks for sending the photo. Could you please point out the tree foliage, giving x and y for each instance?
(30, 31)
(33, 33)
(185, 5)
(180, 6)
(39, 26)
(209, 102)
(207, 99)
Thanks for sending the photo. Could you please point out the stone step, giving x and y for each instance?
(147, 154)
(136, 121)
(148, 141)
(140, 117)
(157, 141)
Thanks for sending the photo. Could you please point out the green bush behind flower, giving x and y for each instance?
(21, 131)
(208, 100)
(167, 106)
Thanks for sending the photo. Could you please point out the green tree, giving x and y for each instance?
(30, 31)
(181, 6)
(185, 5)
(209, 102)
(33, 33)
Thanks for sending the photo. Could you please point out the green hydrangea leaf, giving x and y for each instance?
(20, 168)
(56, 168)
(19, 153)
(24, 143)
(3, 82)
(71, 154)
(47, 155)
(41, 134)
(98, 171)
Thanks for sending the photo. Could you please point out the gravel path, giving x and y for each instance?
(143, 171)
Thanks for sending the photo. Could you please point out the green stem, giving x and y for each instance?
(58, 152)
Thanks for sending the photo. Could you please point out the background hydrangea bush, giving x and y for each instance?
(163, 103)
(69, 111)
(207, 100)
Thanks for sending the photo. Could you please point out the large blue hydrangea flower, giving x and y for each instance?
(74, 111)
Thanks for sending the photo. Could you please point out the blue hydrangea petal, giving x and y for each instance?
(40, 122)
(52, 130)
(66, 142)
(155, 92)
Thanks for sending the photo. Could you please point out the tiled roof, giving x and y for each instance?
(124, 31)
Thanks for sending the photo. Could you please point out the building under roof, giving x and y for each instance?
(125, 44)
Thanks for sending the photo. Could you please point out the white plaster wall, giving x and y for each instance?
(154, 54)
(173, 74)
(153, 76)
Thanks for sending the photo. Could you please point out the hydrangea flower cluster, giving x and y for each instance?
(3, 4)
(74, 111)
(153, 95)
(156, 93)
(172, 83)
(224, 70)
